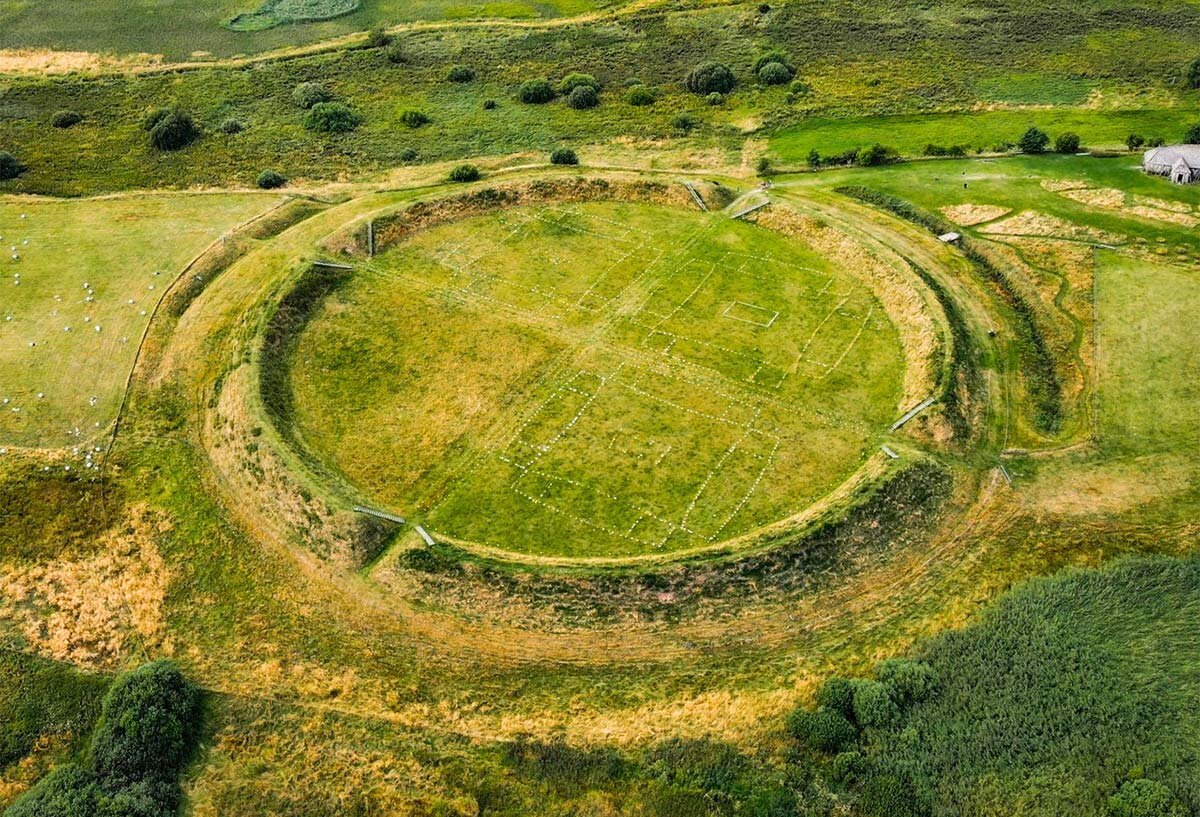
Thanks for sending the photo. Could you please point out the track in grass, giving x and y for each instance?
(597, 380)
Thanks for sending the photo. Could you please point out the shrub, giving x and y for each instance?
(763, 166)
(639, 95)
(715, 99)
(823, 729)
(535, 91)
(331, 117)
(1034, 140)
(874, 705)
(582, 98)
(377, 38)
(848, 766)
(889, 796)
(414, 119)
(956, 151)
(154, 117)
(489, 104)
(408, 155)
(66, 119)
(876, 155)
(465, 173)
(10, 168)
(800, 87)
(836, 694)
(1192, 137)
(67, 791)
(231, 126)
(1155, 142)
(307, 94)
(577, 80)
(708, 77)
(910, 681)
(1067, 143)
(270, 179)
(396, 54)
(774, 74)
(1133, 141)
(146, 726)
(460, 73)
(814, 158)
(1191, 78)
(1145, 798)
(563, 156)
(773, 57)
(174, 131)
(684, 123)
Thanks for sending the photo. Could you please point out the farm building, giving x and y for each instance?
(1179, 163)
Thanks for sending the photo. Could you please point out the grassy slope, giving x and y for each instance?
(115, 246)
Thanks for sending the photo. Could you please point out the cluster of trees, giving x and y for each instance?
(580, 90)
(872, 156)
(148, 726)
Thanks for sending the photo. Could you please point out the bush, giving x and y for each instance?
(414, 119)
(465, 173)
(331, 117)
(800, 87)
(1133, 141)
(1067, 143)
(1155, 142)
(715, 99)
(270, 179)
(231, 126)
(460, 73)
(708, 77)
(154, 117)
(775, 58)
(174, 131)
(10, 168)
(774, 74)
(823, 730)
(396, 54)
(66, 119)
(1192, 136)
(583, 98)
(889, 796)
(684, 123)
(910, 681)
(67, 791)
(408, 155)
(1145, 798)
(563, 156)
(307, 94)
(1034, 140)
(763, 166)
(146, 726)
(836, 694)
(535, 91)
(876, 155)
(489, 104)
(874, 705)
(577, 80)
(848, 766)
(640, 96)
(1191, 77)
(377, 38)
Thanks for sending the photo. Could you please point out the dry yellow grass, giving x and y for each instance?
(968, 215)
(1031, 222)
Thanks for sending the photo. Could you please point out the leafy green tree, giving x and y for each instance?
(563, 156)
(1067, 143)
(66, 119)
(583, 97)
(1145, 798)
(535, 91)
(174, 131)
(270, 179)
(910, 681)
(577, 80)
(877, 154)
(1192, 137)
(640, 96)
(836, 693)
(774, 73)
(10, 168)
(67, 791)
(874, 705)
(465, 173)
(1191, 77)
(1134, 141)
(890, 796)
(774, 58)
(709, 77)
(1034, 140)
(331, 117)
(684, 122)
(153, 117)
(823, 729)
(307, 94)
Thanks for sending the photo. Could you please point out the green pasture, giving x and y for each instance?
(77, 298)
(977, 131)
(607, 379)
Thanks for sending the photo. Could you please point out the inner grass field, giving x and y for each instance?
(597, 380)
(77, 298)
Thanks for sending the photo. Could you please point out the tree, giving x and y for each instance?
(270, 179)
(763, 167)
(708, 77)
(153, 117)
(910, 681)
(1192, 137)
(535, 91)
(874, 705)
(890, 796)
(1134, 141)
(814, 158)
(878, 154)
(639, 95)
(774, 57)
(307, 94)
(460, 73)
(563, 156)
(836, 694)
(1034, 140)
(174, 131)
(1067, 143)
(823, 729)
(1145, 798)
(414, 119)
(331, 117)
(1192, 77)
(66, 119)
(465, 173)
(10, 168)
(684, 122)
(583, 97)
(577, 80)
(774, 73)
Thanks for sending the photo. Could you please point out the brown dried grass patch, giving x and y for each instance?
(1108, 198)
(1031, 222)
(968, 215)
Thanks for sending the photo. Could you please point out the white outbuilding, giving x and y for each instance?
(1179, 163)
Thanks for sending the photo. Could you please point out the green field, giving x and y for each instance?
(79, 294)
(526, 380)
